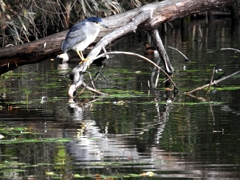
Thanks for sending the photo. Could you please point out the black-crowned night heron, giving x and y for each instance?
(81, 35)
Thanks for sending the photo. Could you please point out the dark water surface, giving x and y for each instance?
(131, 134)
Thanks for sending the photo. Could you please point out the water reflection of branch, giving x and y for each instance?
(214, 124)
(162, 119)
(80, 106)
(154, 71)
(161, 116)
(213, 117)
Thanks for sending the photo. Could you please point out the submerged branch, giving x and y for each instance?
(215, 82)
(140, 56)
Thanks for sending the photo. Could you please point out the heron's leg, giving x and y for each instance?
(81, 57)
(80, 54)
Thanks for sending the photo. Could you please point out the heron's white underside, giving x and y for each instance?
(93, 31)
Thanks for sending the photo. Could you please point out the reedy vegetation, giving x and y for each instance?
(27, 20)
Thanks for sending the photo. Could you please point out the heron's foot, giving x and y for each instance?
(84, 60)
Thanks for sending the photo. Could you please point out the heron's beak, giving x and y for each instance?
(104, 26)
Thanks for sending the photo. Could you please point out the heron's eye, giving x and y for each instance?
(96, 22)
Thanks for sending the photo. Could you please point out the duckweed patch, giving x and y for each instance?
(235, 57)
(52, 85)
(227, 88)
(36, 140)
(224, 88)
(122, 93)
(190, 70)
(16, 135)
(10, 166)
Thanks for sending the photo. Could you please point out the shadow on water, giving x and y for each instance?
(131, 133)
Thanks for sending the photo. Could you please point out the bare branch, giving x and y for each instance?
(162, 51)
(93, 90)
(179, 52)
(213, 83)
(222, 49)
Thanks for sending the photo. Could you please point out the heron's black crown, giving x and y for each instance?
(94, 19)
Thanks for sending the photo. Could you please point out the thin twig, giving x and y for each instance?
(213, 71)
(91, 79)
(93, 90)
(82, 90)
(213, 83)
(230, 49)
(179, 52)
(85, 86)
(97, 74)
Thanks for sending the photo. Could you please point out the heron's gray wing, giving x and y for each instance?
(78, 29)
(75, 35)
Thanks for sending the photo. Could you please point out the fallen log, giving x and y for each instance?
(49, 47)
(145, 18)
(32, 52)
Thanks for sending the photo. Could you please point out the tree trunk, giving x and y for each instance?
(159, 12)
(234, 11)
